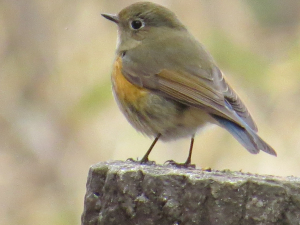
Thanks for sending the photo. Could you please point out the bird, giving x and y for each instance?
(168, 85)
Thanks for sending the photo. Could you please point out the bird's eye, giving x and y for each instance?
(136, 24)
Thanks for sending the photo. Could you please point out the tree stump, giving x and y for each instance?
(129, 193)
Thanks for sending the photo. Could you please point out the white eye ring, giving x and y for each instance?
(136, 24)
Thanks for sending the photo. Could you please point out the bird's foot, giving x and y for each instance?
(142, 161)
(186, 165)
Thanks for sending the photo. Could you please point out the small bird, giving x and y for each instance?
(168, 86)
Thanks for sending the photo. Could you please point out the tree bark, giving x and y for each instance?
(129, 193)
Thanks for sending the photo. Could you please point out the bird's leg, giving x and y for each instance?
(145, 159)
(189, 158)
(188, 161)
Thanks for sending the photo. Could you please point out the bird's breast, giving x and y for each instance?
(125, 91)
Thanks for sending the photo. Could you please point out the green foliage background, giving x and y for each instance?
(58, 116)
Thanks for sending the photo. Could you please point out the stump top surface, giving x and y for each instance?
(220, 175)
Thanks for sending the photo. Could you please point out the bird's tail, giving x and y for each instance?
(246, 136)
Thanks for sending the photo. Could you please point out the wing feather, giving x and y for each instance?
(232, 98)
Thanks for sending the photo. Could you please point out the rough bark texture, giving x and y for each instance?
(129, 193)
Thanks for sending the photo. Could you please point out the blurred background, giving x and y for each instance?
(58, 115)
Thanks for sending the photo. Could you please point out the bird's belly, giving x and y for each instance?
(153, 114)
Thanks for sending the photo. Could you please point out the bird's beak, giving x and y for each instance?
(111, 17)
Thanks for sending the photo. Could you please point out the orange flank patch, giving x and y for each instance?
(124, 90)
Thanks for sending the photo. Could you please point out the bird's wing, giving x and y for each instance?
(193, 91)
(233, 100)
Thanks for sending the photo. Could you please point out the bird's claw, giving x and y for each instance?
(180, 165)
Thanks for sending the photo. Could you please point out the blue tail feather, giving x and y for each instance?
(246, 136)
